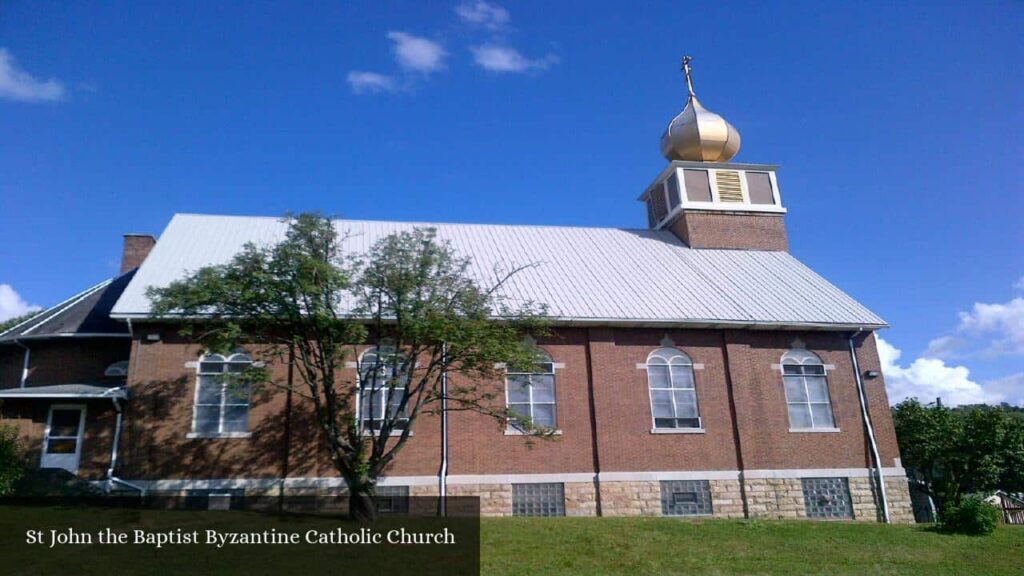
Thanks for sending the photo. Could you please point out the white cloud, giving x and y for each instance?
(12, 305)
(1003, 323)
(370, 82)
(483, 14)
(930, 378)
(16, 84)
(1011, 388)
(944, 347)
(416, 53)
(494, 58)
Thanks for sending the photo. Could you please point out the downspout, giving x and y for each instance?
(442, 475)
(871, 431)
(24, 364)
(111, 479)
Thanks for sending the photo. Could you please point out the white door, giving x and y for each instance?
(62, 445)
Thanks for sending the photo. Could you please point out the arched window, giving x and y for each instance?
(117, 370)
(532, 394)
(222, 395)
(806, 391)
(673, 390)
(383, 382)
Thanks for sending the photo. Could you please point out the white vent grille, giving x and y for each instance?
(729, 188)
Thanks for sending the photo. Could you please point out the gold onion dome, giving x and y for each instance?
(698, 134)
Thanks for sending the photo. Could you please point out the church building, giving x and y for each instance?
(695, 368)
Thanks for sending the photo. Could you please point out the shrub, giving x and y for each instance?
(12, 466)
(972, 516)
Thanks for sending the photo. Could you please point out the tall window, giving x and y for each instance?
(222, 395)
(383, 381)
(532, 395)
(806, 390)
(673, 390)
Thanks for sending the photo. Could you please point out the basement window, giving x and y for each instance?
(685, 498)
(827, 498)
(546, 499)
(392, 499)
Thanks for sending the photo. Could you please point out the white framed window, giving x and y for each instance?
(807, 396)
(383, 382)
(531, 395)
(222, 395)
(673, 390)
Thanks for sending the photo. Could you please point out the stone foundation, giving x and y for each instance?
(768, 498)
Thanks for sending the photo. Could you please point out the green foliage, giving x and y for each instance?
(305, 301)
(12, 464)
(12, 322)
(973, 516)
(962, 450)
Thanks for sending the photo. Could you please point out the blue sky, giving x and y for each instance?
(897, 128)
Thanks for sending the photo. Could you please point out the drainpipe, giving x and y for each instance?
(24, 364)
(111, 479)
(442, 476)
(870, 428)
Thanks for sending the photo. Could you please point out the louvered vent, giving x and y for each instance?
(729, 189)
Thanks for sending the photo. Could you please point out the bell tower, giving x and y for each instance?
(706, 200)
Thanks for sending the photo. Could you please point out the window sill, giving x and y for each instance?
(677, 430)
(813, 430)
(218, 435)
(514, 432)
(391, 434)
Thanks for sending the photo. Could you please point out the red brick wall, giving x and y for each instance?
(62, 361)
(162, 390)
(703, 229)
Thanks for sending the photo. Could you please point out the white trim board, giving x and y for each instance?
(471, 479)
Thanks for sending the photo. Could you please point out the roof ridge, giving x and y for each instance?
(428, 223)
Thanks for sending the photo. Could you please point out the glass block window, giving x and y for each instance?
(698, 187)
(759, 188)
(222, 394)
(392, 499)
(531, 395)
(685, 497)
(383, 381)
(538, 499)
(807, 394)
(673, 389)
(827, 498)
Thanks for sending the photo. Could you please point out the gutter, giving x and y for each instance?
(442, 475)
(871, 431)
(111, 479)
(24, 365)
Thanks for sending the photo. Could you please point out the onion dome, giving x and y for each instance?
(698, 134)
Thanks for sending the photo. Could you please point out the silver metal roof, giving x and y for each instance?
(584, 275)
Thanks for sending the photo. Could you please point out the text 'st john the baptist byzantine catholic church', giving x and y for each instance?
(696, 368)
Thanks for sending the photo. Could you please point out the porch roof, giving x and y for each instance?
(82, 391)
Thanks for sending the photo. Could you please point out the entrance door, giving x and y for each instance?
(62, 445)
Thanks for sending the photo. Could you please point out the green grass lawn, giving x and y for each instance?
(638, 546)
(534, 546)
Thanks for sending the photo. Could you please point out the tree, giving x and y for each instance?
(12, 464)
(410, 298)
(12, 322)
(959, 451)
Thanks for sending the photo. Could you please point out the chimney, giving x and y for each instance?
(136, 248)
